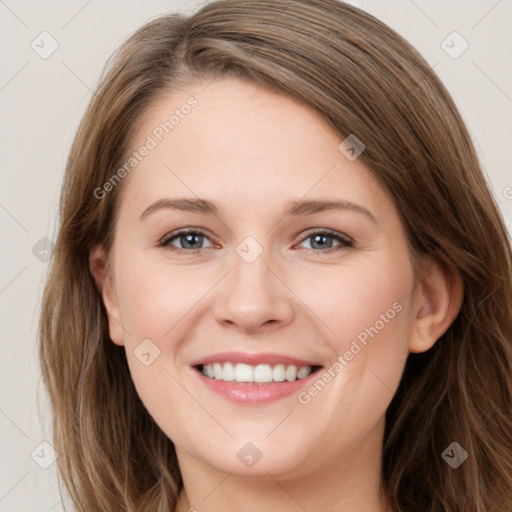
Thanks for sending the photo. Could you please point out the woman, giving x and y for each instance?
(338, 334)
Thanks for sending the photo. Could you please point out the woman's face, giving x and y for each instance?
(268, 286)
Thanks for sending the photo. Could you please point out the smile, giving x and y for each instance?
(259, 374)
(254, 379)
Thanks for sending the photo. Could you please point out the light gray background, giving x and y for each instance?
(41, 103)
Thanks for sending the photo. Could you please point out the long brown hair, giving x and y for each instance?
(362, 78)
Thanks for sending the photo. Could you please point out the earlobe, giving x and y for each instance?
(104, 284)
(438, 299)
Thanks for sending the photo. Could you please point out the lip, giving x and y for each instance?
(270, 358)
(254, 393)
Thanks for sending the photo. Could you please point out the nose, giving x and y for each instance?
(255, 297)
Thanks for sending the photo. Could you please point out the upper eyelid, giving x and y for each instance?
(185, 231)
(327, 231)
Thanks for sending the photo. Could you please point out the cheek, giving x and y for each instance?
(155, 305)
(156, 297)
(365, 310)
(359, 301)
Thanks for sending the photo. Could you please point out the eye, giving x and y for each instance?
(191, 240)
(322, 241)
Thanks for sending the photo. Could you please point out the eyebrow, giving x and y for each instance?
(297, 208)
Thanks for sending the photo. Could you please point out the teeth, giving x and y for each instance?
(228, 372)
(217, 371)
(278, 373)
(262, 373)
(259, 374)
(243, 373)
(303, 372)
(291, 373)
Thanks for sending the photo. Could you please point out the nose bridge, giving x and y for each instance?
(254, 296)
(252, 263)
(252, 283)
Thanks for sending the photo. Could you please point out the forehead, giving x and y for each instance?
(233, 139)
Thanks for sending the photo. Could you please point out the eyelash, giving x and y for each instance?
(345, 242)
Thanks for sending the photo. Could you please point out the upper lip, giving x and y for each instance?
(269, 358)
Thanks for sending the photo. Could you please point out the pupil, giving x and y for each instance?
(316, 238)
(190, 237)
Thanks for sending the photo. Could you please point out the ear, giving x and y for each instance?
(104, 283)
(437, 301)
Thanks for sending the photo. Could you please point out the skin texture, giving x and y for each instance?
(254, 153)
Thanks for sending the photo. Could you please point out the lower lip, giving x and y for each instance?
(255, 393)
